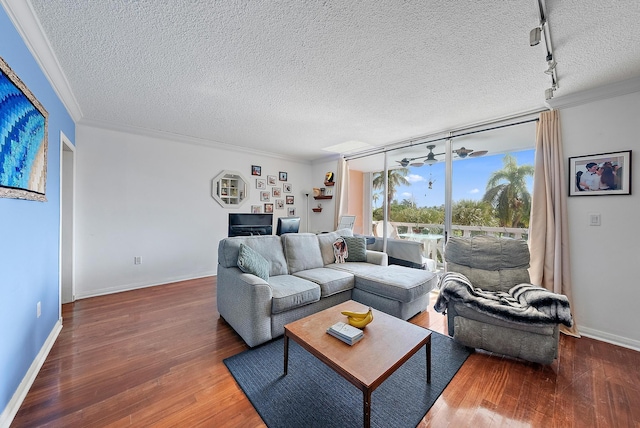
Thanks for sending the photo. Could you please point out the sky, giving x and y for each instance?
(470, 178)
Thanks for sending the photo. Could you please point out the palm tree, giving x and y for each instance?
(375, 198)
(395, 177)
(507, 192)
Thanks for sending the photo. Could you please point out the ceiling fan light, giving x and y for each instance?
(430, 161)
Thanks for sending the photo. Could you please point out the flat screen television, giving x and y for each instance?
(288, 225)
(250, 224)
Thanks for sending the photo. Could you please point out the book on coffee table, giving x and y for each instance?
(345, 332)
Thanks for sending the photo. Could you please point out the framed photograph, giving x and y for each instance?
(286, 187)
(23, 140)
(256, 209)
(328, 191)
(276, 192)
(256, 170)
(268, 208)
(283, 176)
(600, 174)
(279, 204)
(265, 196)
(260, 183)
(291, 212)
(271, 180)
(289, 200)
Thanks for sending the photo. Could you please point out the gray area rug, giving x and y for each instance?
(313, 395)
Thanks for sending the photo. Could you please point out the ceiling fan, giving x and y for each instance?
(431, 157)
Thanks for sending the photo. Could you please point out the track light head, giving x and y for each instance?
(548, 94)
(534, 36)
(552, 66)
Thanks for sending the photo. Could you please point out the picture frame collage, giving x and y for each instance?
(274, 196)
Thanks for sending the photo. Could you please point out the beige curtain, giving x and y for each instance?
(342, 191)
(548, 230)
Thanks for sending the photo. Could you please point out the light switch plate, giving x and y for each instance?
(594, 219)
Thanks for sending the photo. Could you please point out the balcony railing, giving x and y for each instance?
(433, 234)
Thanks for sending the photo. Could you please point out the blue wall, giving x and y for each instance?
(29, 234)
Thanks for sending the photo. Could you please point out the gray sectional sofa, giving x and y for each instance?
(301, 278)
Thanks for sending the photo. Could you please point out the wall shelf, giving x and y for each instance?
(323, 197)
(316, 210)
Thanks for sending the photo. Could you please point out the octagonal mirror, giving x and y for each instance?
(230, 189)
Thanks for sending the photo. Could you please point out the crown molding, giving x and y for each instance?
(26, 22)
(623, 87)
(169, 136)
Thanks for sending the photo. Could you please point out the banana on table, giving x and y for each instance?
(359, 319)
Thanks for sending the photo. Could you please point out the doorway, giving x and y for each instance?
(67, 202)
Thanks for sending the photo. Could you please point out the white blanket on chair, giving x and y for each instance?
(522, 303)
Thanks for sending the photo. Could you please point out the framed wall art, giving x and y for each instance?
(283, 176)
(23, 140)
(600, 174)
(256, 170)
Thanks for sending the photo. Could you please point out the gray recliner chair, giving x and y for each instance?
(490, 303)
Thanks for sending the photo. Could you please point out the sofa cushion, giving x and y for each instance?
(331, 281)
(326, 240)
(356, 248)
(268, 246)
(250, 261)
(488, 252)
(396, 282)
(290, 292)
(301, 251)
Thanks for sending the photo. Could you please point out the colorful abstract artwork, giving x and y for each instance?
(23, 140)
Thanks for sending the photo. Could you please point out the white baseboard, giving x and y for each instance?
(625, 342)
(18, 397)
(135, 286)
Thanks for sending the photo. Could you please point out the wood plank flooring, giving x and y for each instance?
(153, 357)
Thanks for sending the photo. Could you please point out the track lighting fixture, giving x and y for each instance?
(552, 66)
(534, 36)
(548, 94)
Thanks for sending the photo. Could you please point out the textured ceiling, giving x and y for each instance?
(293, 77)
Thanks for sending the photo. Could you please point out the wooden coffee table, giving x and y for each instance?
(388, 343)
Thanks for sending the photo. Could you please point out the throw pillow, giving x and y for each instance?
(357, 246)
(340, 250)
(250, 261)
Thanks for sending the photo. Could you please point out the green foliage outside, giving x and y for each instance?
(506, 202)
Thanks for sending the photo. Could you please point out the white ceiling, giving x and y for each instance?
(293, 77)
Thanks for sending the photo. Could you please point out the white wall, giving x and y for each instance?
(605, 259)
(325, 220)
(151, 197)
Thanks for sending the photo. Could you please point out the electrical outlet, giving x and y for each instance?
(137, 260)
(38, 309)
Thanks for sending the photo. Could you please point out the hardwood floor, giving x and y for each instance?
(153, 357)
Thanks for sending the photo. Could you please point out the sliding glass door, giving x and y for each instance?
(459, 185)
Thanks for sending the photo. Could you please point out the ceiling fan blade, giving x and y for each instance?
(404, 162)
(478, 153)
(417, 164)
